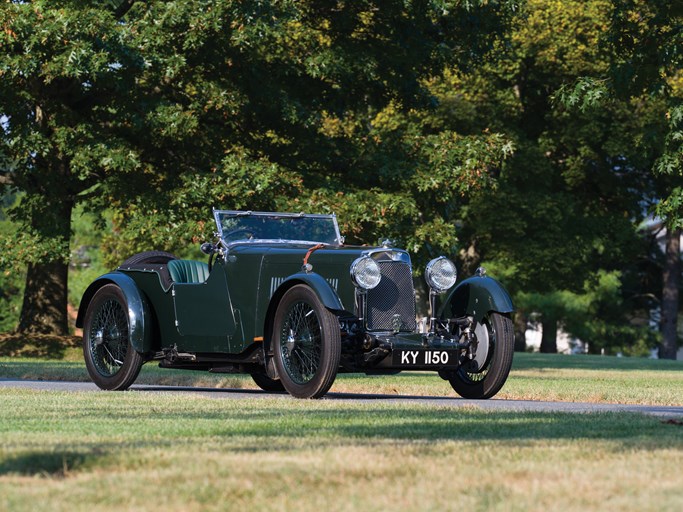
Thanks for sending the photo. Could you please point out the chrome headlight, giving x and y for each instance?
(365, 273)
(440, 274)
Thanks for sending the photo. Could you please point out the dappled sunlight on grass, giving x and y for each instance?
(166, 451)
(156, 416)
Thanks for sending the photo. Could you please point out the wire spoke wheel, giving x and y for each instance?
(300, 343)
(306, 343)
(109, 338)
(493, 360)
(110, 359)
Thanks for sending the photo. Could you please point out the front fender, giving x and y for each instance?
(139, 319)
(318, 284)
(475, 297)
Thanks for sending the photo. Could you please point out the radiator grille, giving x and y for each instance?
(393, 296)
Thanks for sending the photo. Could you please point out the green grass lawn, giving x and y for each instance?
(166, 451)
(149, 451)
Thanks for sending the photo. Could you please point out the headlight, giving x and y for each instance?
(365, 273)
(440, 274)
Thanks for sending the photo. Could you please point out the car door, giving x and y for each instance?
(204, 315)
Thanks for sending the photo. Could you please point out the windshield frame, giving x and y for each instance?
(219, 214)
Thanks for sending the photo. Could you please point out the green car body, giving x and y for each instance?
(225, 320)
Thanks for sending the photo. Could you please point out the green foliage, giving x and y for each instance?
(646, 40)
(584, 94)
(11, 288)
(489, 126)
(185, 220)
(670, 164)
(597, 315)
(185, 105)
(564, 212)
(85, 261)
(645, 45)
(64, 68)
(567, 207)
(11, 278)
(295, 106)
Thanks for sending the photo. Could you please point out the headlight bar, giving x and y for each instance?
(440, 275)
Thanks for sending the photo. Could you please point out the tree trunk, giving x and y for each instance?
(671, 277)
(45, 299)
(549, 336)
(520, 331)
(44, 310)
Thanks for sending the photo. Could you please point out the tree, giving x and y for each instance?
(186, 102)
(65, 69)
(318, 108)
(645, 39)
(566, 204)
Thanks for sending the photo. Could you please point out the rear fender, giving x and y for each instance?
(139, 319)
(476, 297)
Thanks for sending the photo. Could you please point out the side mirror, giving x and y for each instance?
(208, 248)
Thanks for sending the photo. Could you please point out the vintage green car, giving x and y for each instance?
(283, 299)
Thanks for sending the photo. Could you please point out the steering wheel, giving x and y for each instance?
(211, 261)
(211, 250)
(246, 231)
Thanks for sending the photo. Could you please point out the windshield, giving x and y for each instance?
(236, 226)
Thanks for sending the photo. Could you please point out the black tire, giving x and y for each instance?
(160, 257)
(266, 383)
(496, 334)
(110, 359)
(306, 343)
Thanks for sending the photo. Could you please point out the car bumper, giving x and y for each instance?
(414, 351)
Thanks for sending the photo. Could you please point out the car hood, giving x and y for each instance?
(294, 254)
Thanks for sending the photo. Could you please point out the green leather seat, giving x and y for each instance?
(188, 271)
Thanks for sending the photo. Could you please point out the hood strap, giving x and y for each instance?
(311, 251)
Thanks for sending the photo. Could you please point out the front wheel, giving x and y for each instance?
(495, 346)
(306, 343)
(110, 359)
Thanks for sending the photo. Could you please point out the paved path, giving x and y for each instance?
(493, 404)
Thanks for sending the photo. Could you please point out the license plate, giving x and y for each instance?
(421, 358)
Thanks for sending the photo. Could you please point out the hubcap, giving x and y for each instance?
(482, 333)
(486, 340)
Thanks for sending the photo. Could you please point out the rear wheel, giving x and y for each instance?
(493, 359)
(266, 383)
(306, 343)
(110, 359)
